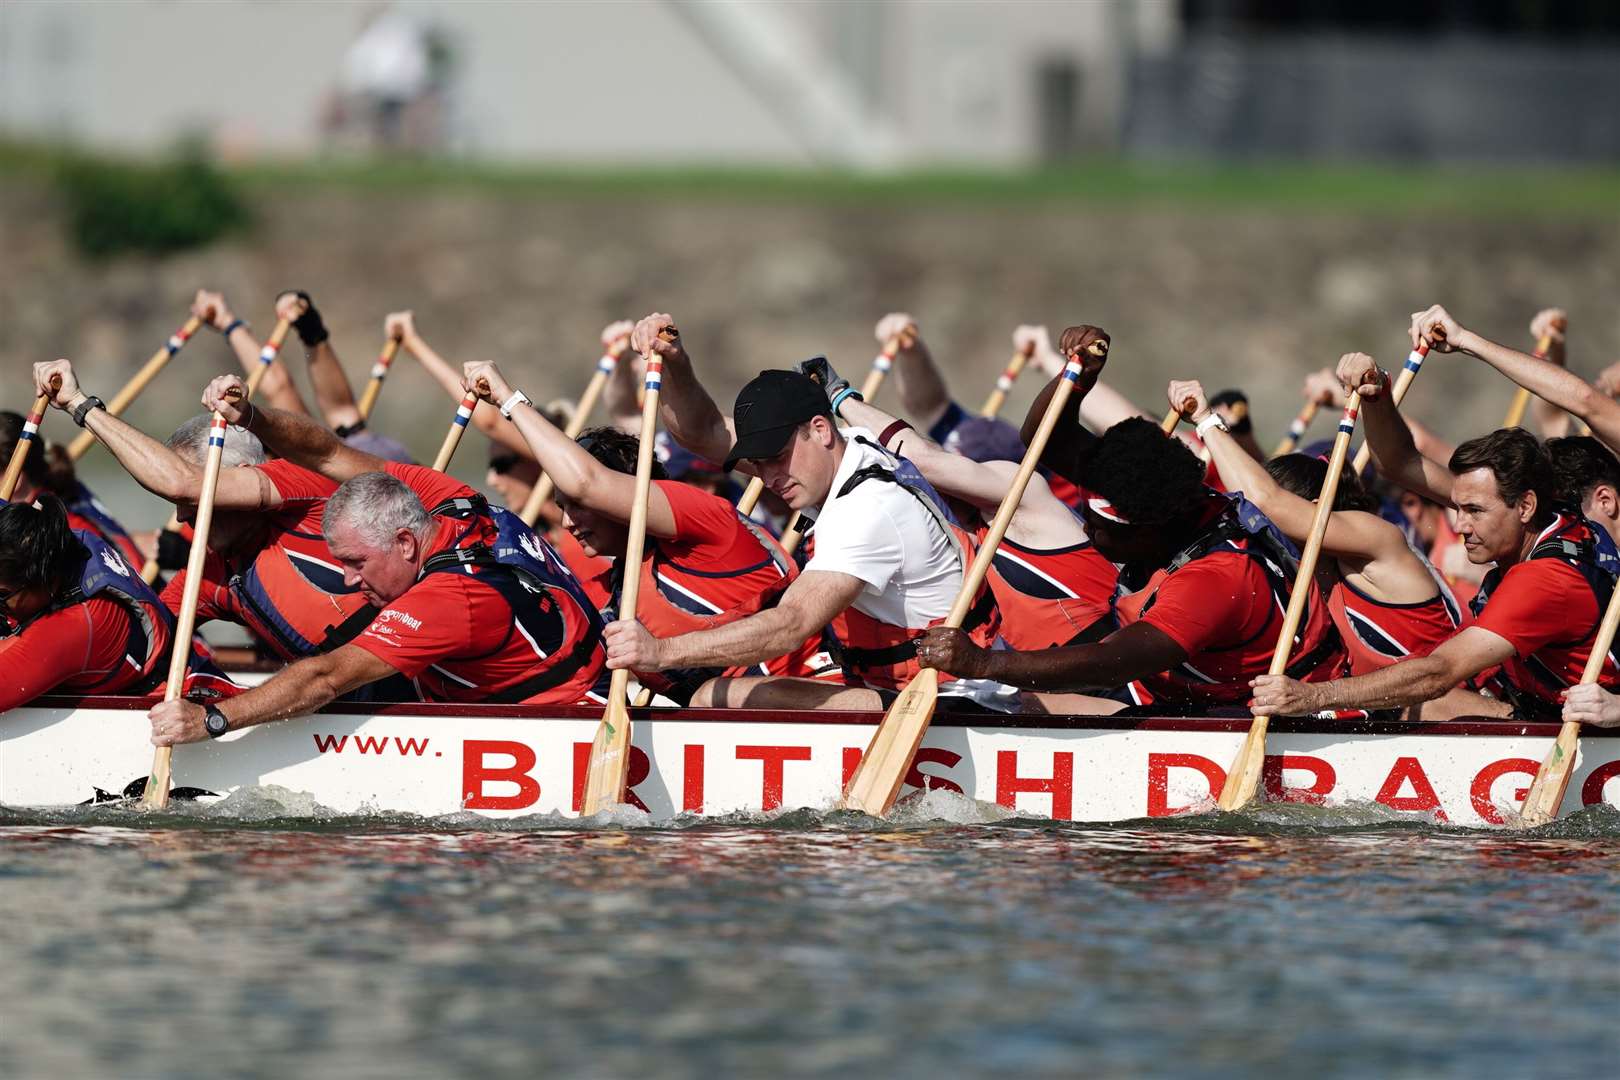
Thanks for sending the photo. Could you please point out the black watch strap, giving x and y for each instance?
(84, 407)
(214, 721)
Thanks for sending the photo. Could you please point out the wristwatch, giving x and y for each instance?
(82, 410)
(214, 721)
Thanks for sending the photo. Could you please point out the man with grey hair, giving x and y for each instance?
(474, 606)
(268, 567)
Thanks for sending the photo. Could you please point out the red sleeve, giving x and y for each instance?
(56, 647)
(707, 529)
(432, 621)
(1537, 603)
(431, 486)
(212, 600)
(1212, 603)
(296, 484)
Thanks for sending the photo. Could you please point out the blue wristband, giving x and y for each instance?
(844, 395)
(230, 328)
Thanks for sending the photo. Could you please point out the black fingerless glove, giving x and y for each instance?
(311, 330)
(173, 550)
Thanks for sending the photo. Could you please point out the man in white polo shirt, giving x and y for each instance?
(887, 561)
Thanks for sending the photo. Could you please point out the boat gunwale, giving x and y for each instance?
(1233, 721)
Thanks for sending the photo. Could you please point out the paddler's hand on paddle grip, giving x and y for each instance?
(1278, 695)
(225, 395)
(1035, 342)
(616, 336)
(1437, 329)
(1549, 325)
(178, 721)
(897, 324)
(483, 378)
(951, 650)
(657, 334)
(212, 309)
(64, 391)
(1361, 373)
(1088, 344)
(1589, 703)
(1187, 397)
(1323, 388)
(400, 326)
(630, 645)
(822, 373)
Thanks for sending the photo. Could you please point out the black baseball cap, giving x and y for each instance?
(768, 410)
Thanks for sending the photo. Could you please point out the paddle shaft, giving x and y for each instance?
(610, 751)
(1547, 790)
(1004, 382)
(544, 485)
(1171, 419)
(379, 372)
(880, 367)
(25, 441)
(1403, 382)
(1296, 429)
(458, 428)
(882, 769)
(1521, 400)
(157, 785)
(1243, 778)
(132, 389)
(267, 355)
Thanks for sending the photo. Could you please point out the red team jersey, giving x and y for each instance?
(81, 647)
(455, 634)
(1051, 597)
(1376, 634)
(291, 594)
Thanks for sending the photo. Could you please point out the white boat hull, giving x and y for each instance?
(493, 760)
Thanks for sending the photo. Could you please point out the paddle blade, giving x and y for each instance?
(877, 780)
(1243, 778)
(609, 768)
(1552, 779)
(157, 785)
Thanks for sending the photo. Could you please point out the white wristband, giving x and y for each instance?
(518, 398)
(1213, 420)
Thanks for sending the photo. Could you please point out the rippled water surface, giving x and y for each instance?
(237, 941)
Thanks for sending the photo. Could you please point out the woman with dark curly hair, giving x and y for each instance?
(1386, 602)
(77, 617)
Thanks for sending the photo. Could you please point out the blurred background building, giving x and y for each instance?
(858, 83)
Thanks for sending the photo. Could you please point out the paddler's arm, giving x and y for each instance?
(299, 439)
(276, 386)
(809, 604)
(1137, 651)
(401, 326)
(579, 477)
(154, 466)
(1070, 439)
(333, 394)
(1410, 682)
(688, 412)
(1393, 451)
(296, 690)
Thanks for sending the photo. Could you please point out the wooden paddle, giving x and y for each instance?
(544, 486)
(1403, 381)
(458, 428)
(157, 785)
(882, 770)
(1004, 382)
(1296, 429)
(1546, 793)
(25, 439)
(132, 389)
(1171, 419)
(1521, 400)
(267, 355)
(610, 750)
(793, 535)
(150, 571)
(379, 372)
(880, 367)
(1243, 778)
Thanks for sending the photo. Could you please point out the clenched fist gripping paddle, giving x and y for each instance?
(877, 780)
(1403, 382)
(610, 750)
(1243, 778)
(157, 785)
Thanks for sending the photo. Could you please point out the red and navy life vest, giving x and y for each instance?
(1221, 675)
(548, 606)
(1377, 633)
(273, 596)
(1053, 597)
(1529, 683)
(678, 599)
(86, 513)
(876, 654)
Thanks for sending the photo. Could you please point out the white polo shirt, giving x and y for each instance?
(881, 534)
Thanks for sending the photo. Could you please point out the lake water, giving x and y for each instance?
(236, 941)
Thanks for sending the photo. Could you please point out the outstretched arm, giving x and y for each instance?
(579, 476)
(277, 386)
(154, 466)
(401, 325)
(333, 396)
(1136, 652)
(621, 396)
(299, 439)
(1393, 450)
(688, 412)
(1070, 440)
(921, 386)
(1419, 679)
